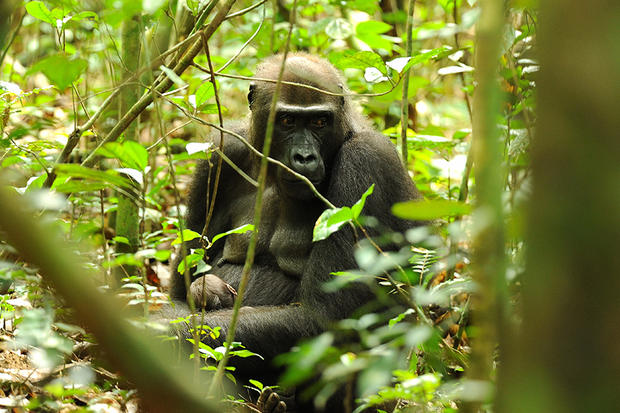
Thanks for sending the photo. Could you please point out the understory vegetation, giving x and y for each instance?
(105, 106)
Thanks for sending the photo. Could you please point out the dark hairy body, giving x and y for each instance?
(325, 139)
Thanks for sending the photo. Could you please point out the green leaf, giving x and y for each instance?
(339, 29)
(372, 27)
(356, 209)
(188, 235)
(370, 33)
(191, 260)
(38, 10)
(162, 255)
(427, 210)
(60, 69)
(257, 384)
(75, 186)
(77, 171)
(130, 153)
(121, 240)
(85, 15)
(240, 230)
(367, 6)
(330, 221)
(357, 60)
(204, 93)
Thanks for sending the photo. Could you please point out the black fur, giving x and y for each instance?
(284, 301)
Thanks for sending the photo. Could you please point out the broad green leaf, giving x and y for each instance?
(202, 267)
(130, 153)
(60, 69)
(367, 6)
(38, 10)
(85, 15)
(374, 27)
(339, 29)
(135, 155)
(191, 260)
(427, 210)
(77, 171)
(121, 240)
(430, 54)
(357, 60)
(162, 255)
(204, 93)
(330, 221)
(257, 384)
(75, 186)
(370, 33)
(356, 209)
(240, 230)
(188, 235)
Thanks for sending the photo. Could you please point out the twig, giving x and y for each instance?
(162, 86)
(262, 178)
(285, 82)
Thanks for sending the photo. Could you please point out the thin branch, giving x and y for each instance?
(262, 178)
(232, 59)
(285, 82)
(246, 10)
(147, 98)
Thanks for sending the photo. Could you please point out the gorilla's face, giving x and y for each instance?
(304, 139)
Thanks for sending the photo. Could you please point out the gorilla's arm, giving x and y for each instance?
(202, 183)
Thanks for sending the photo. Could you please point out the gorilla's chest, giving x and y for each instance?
(285, 233)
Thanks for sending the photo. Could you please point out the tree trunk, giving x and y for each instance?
(127, 216)
(565, 358)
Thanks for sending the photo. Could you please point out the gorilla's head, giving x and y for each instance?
(310, 125)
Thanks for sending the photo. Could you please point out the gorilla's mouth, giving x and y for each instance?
(296, 188)
(298, 181)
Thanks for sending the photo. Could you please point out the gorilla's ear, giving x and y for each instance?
(251, 94)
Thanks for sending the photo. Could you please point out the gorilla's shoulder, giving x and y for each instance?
(369, 145)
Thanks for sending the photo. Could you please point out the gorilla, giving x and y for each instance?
(323, 137)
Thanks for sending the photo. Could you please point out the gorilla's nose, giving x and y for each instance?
(305, 161)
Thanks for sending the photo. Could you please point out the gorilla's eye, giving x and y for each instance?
(287, 121)
(319, 122)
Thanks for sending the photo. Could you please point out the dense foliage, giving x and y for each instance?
(114, 189)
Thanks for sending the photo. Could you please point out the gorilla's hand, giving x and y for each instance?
(212, 293)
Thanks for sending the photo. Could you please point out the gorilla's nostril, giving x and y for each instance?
(304, 159)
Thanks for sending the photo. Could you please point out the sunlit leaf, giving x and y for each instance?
(61, 69)
(330, 221)
(427, 210)
(356, 209)
(339, 29)
(195, 147)
(40, 11)
(448, 70)
(188, 235)
(240, 230)
(111, 177)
